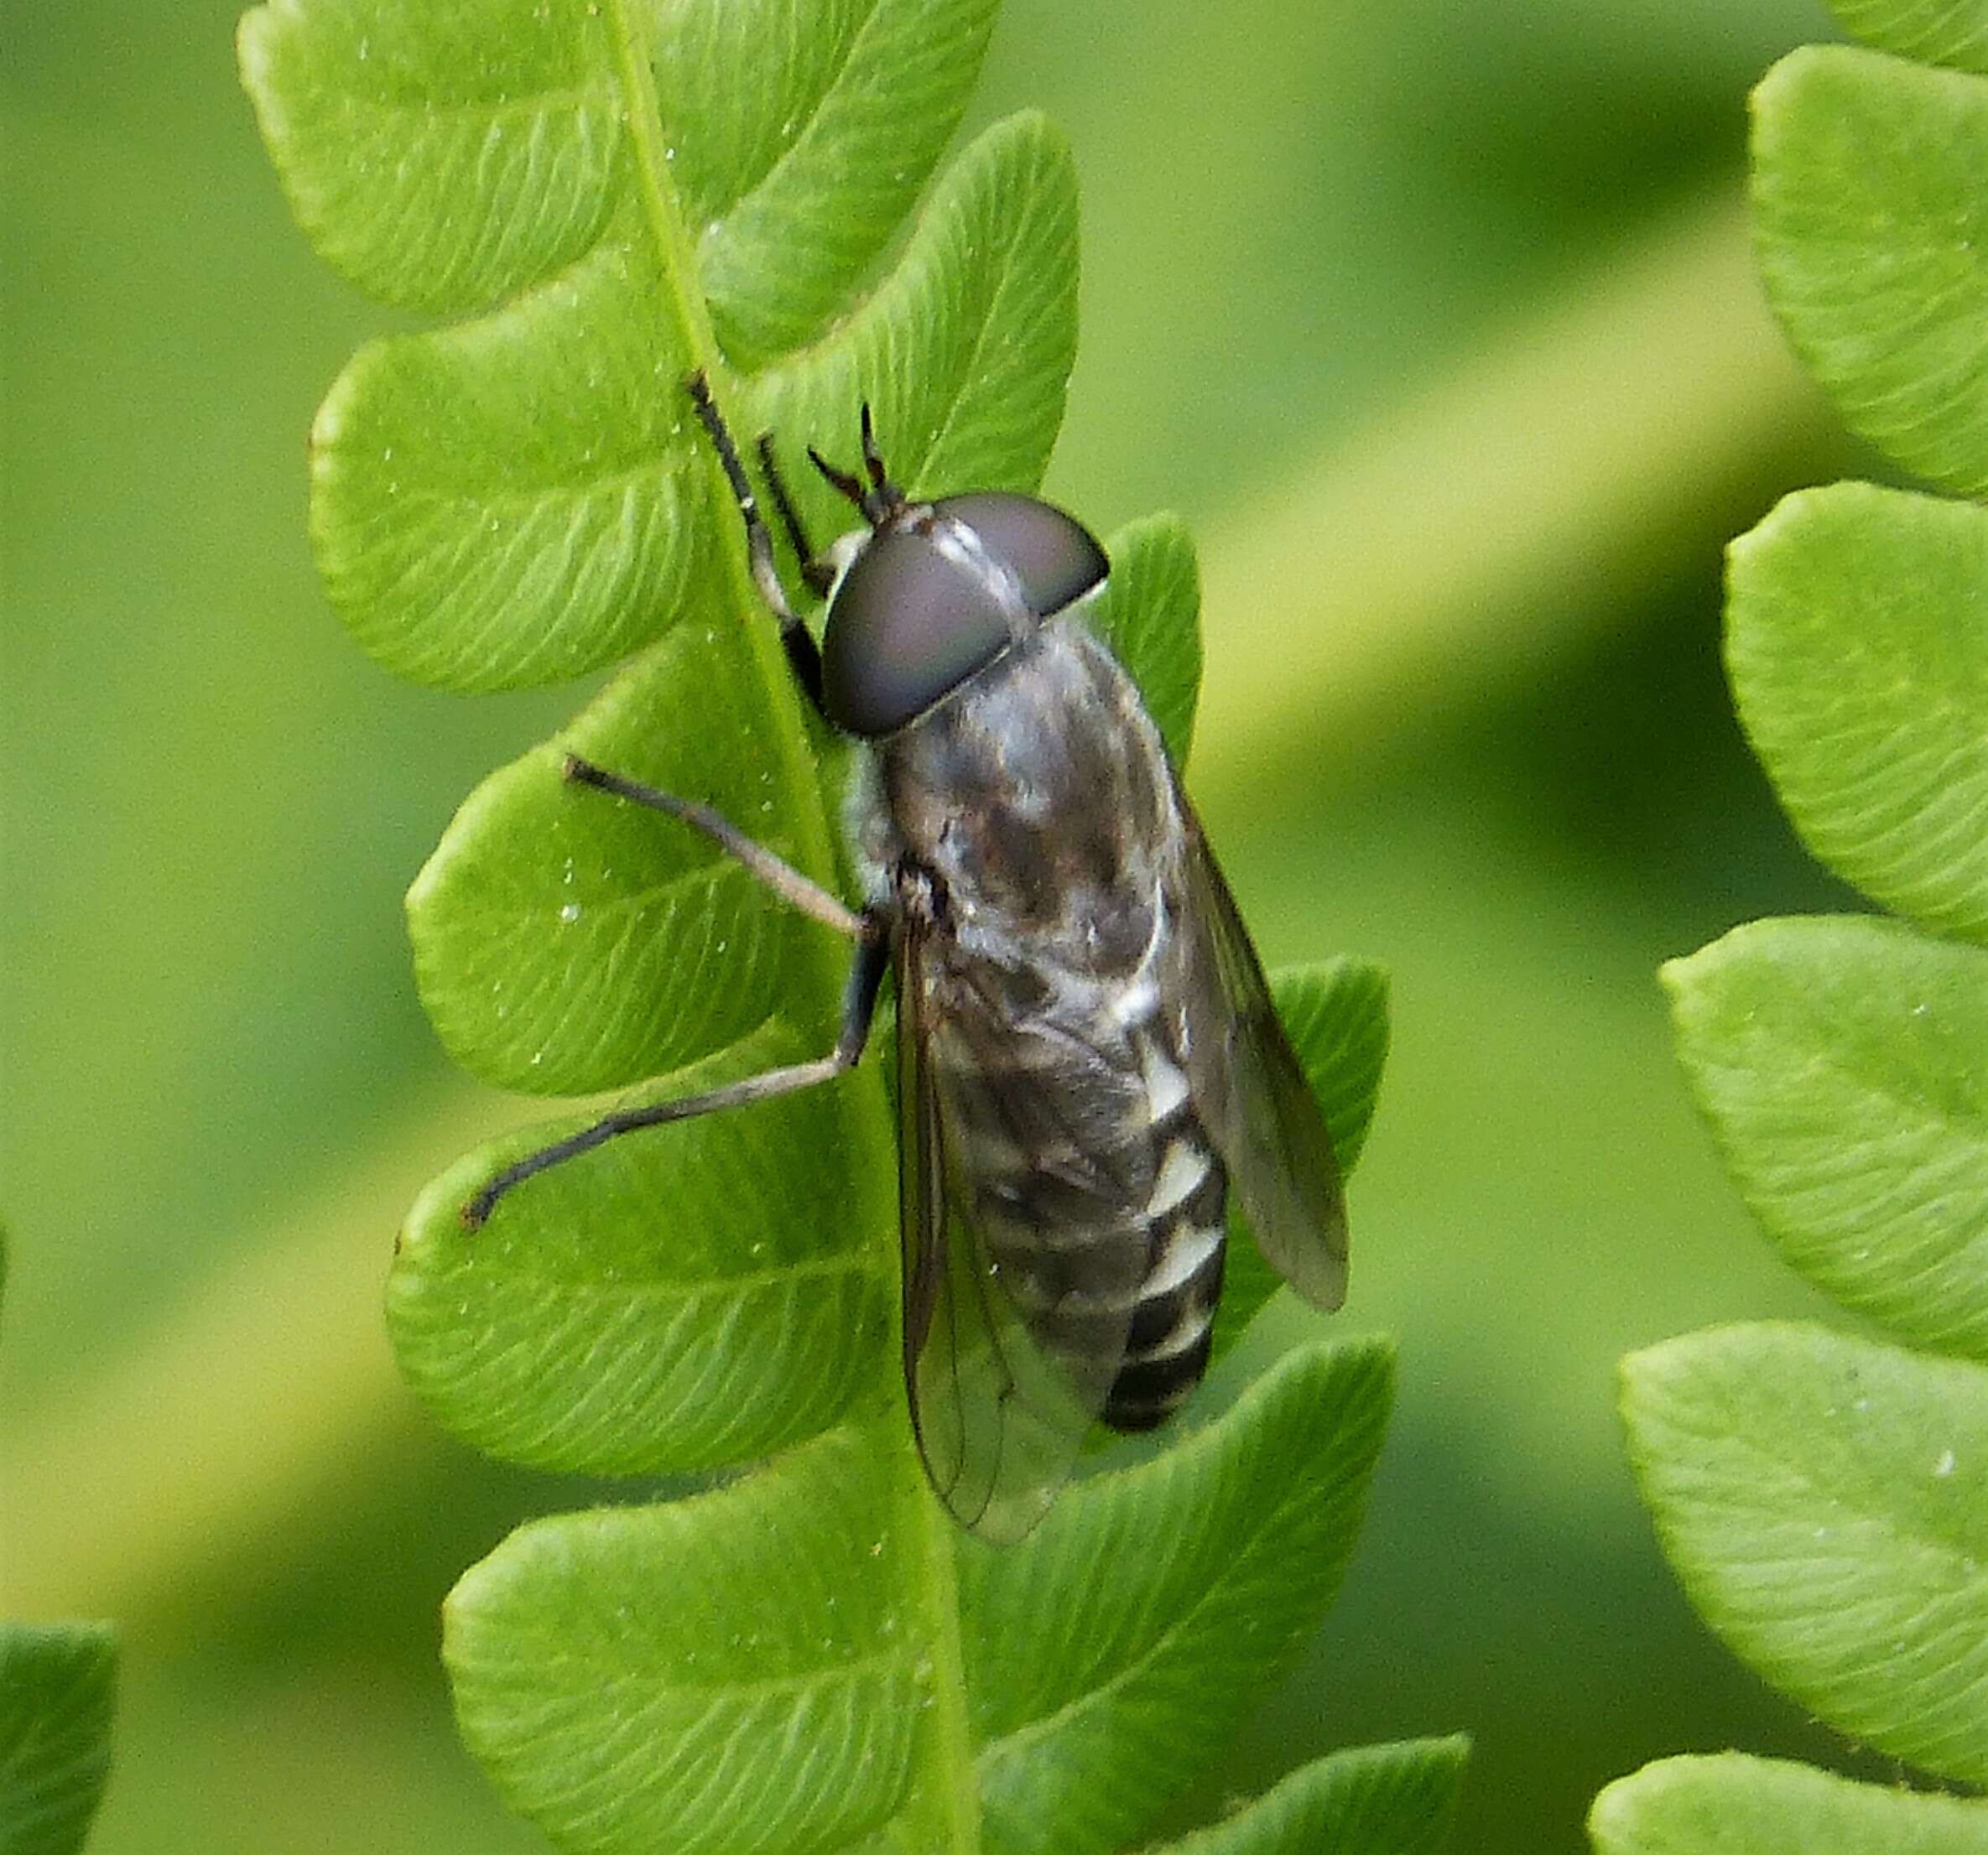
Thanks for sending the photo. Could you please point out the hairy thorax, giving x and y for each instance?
(1037, 797)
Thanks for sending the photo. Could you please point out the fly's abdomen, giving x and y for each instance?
(1186, 1230)
(1101, 1199)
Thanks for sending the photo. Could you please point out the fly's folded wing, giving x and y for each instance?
(1251, 1091)
(1015, 1321)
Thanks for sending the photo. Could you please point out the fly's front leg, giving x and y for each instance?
(870, 930)
(803, 655)
(819, 573)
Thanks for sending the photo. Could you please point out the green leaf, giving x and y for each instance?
(1732, 1805)
(1377, 1799)
(1936, 32)
(524, 498)
(447, 158)
(740, 1671)
(1881, 759)
(1825, 1501)
(1149, 613)
(1097, 1696)
(1869, 192)
(1838, 1062)
(1335, 1013)
(794, 189)
(56, 1685)
(756, 1668)
(670, 1302)
(444, 160)
(962, 351)
(566, 941)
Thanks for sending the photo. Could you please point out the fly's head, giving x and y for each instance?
(929, 593)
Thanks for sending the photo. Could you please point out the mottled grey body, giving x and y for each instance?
(1033, 819)
(1090, 1060)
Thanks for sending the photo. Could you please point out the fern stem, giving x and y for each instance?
(658, 191)
(952, 1740)
(870, 1136)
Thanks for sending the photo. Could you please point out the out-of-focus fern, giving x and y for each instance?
(56, 1687)
(604, 195)
(1824, 1498)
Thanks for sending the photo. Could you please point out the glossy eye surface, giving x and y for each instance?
(1054, 557)
(909, 623)
(921, 609)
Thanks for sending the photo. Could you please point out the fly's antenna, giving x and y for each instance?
(841, 481)
(881, 498)
(880, 478)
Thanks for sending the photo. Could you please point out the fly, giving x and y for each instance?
(1090, 1066)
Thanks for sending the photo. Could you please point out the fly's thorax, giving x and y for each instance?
(1039, 796)
(875, 847)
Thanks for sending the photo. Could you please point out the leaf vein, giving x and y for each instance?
(795, 143)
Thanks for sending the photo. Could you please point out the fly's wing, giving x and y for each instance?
(1005, 1379)
(1249, 1087)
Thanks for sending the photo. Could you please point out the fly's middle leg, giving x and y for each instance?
(859, 1003)
(870, 930)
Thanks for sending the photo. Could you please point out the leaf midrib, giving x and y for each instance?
(533, 102)
(873, 1136)
(1917, 1117)
(868, 1662)
(1921, 1114)
(1861, 1505)
(699, 873)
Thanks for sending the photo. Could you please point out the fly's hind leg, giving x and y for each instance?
(870, 930)
(859, 1003)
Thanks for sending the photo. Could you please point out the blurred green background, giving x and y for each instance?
(1437, 324)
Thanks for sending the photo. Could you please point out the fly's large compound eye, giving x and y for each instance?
(910, 622)
(1055, 559)
(924, 607)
